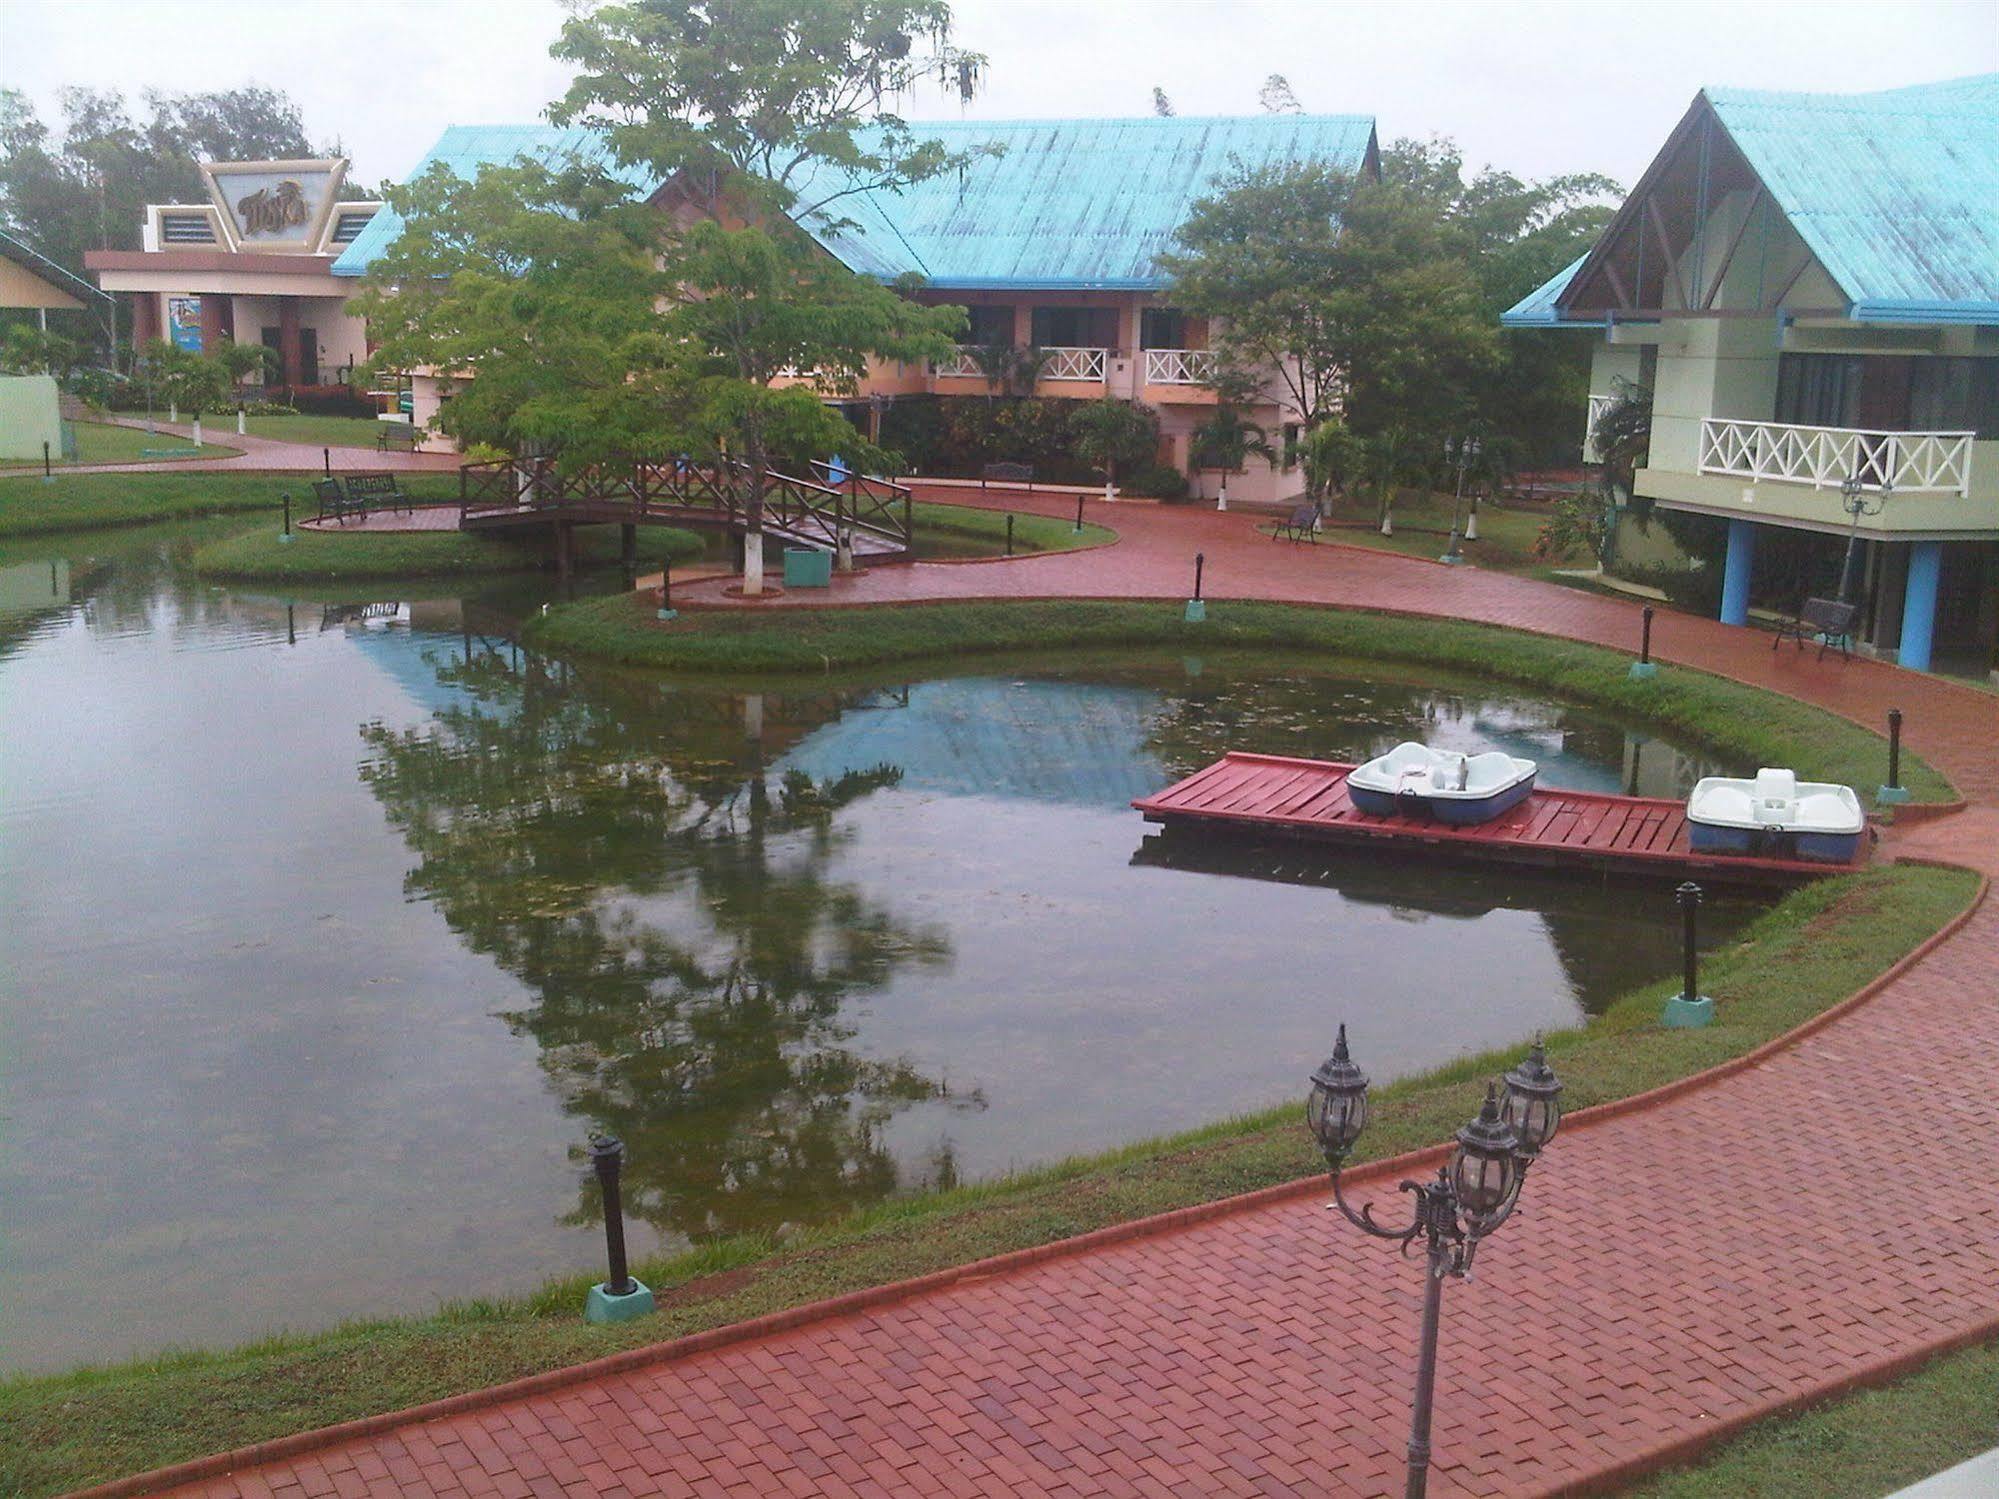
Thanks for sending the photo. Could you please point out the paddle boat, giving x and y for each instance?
(1777, 816)
(1413, 780)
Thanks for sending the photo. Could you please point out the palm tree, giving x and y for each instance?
(1226, 441)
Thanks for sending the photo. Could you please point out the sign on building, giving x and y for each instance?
(184, 323)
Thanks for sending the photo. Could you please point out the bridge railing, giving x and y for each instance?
(812, 511)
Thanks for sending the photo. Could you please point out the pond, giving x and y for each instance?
(334, 928)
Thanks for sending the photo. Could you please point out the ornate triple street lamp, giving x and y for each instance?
(1854, 498)
(1474, 1193)
(1461, 453)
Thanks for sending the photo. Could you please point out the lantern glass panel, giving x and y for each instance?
(1483, 1182)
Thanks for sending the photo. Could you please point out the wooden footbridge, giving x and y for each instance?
(1279, 796)
(515, 493)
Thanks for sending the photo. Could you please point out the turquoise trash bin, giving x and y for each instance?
(807, 567)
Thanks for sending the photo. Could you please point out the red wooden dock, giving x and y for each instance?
(1286, 797)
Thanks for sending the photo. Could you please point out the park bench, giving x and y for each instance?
(335, 503)
(377, 490)
(1298, 525)
(1828, 619)
(397, 437)
(1007, 473)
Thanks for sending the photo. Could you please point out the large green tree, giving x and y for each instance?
(1346, 292)
(787, 104)
(604, 329)
(1514, 234)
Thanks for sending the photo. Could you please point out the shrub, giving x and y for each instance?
(1157, 481)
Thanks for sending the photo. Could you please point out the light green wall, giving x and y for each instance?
(1710, 367)
(29, 417)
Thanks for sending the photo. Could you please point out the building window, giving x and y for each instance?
(988, 325)
(1291, 431)
(347, 228)
(1162, 328)
(186, 229)
(1073, 327)
(1955, 395)
(1818, 390)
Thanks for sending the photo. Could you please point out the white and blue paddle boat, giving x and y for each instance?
(1413, 780)
(1775, 816)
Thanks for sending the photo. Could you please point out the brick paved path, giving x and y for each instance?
(1697, 1261)
(263, 454)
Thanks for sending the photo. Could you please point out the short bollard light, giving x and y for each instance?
(1473, 1194)
(47, 474)
(326, 461)
(1644, 668)
(1079, 515)
(666, 609)
(620, 1297)
(1197, 607)
(286, 534)
(1689, 1009)
(1009, 533)
(1893, 792)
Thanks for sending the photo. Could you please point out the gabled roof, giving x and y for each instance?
(1895, 193)
(1078, 203)
(42, 268)
(468, 148)
(1081, 203)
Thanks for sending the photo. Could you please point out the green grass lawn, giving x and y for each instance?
(79, 502)
(335, 556)
(1742, 723)
(947, 531)
(102, 442)
(63, 1431)
(314, 430)
(1857, 1448)
(1422, 529)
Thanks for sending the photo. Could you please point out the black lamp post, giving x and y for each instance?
(1461, 453)
(1474, 1193)
(1857, 505)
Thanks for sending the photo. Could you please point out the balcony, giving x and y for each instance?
(1073, 364)
(964, 364)
(1178, 366)
(1934, 463)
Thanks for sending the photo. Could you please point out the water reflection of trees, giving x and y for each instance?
(674, 915)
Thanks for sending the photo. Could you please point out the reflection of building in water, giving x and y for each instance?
(1073, 743)
(1655, 769)
(29, 586)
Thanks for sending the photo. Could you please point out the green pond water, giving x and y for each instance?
(333, 927)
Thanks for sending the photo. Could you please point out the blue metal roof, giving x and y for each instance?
(467, 148)
(1895, 193)
(1537, 309)
(1083, 203)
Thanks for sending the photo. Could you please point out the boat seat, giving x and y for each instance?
(1776, 796)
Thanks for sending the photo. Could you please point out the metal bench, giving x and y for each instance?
(1298, 525)
(397, 437)
(1828, 619)
(377, 490)
(1007, 473)
(335, 503)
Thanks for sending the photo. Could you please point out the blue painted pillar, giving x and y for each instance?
(1919, 605)
(1735, 573)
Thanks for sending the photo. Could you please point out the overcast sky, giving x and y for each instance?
(1536, 86)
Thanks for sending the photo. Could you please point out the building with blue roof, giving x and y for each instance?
(1808, 287)
(1051, 244)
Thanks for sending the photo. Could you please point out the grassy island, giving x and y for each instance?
(1742, 723)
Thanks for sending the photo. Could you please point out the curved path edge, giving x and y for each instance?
(1673, 1451)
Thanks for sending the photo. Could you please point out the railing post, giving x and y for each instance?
(908, 524)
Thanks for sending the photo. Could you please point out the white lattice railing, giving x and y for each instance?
(1178, 366)
(1073, 364)
(964, 362)
(1826, 457)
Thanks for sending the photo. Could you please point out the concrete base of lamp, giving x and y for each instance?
(1683, 1014)
(601, 1306)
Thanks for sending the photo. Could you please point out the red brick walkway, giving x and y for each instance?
(1770, 1234)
